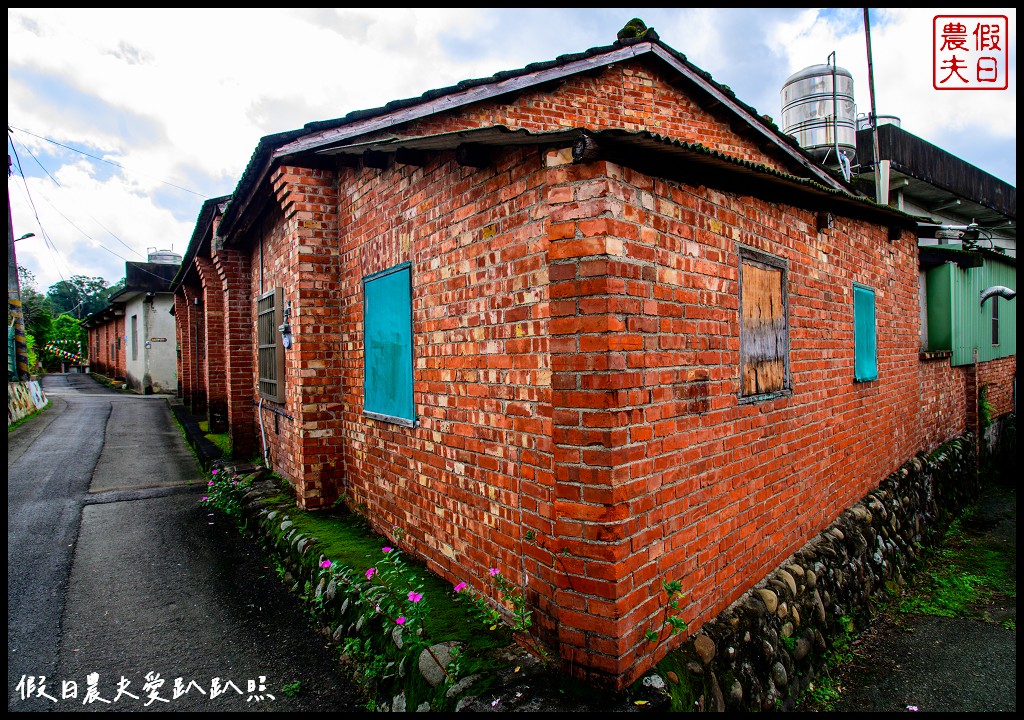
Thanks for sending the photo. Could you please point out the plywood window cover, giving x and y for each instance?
(768, 380)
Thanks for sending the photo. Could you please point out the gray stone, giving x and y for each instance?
(790, 582)
(705, 648)
(803, 646)
(398, 704)
(819, 608)
(770, 599)
(783, 610)
(786, 630)
(461, 686)
(433, 662)
(812, 578)
(796, 616)
(717, 700)
(654, 681)
(736, 694)
(779, 676)
(423, 707)
(795, 570)
(396, 637)
(285, 525)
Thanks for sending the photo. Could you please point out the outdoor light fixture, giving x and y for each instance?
(285, 328)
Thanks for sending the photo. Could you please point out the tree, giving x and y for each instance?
(80, 296)
(35, 307)
(66, 342)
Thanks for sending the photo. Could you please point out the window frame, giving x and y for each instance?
(995, 321)
(764, 261)
(270, 375)
(403, 410)
(864, 291)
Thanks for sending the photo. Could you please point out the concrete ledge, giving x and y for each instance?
(205, 450)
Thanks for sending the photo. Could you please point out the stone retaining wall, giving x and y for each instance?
(766, 648)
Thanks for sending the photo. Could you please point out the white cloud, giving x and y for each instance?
(182, 96)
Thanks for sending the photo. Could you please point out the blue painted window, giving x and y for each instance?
(864, 340)
(387, 327)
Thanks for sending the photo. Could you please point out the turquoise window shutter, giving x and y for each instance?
(864, 340)
(387, 320)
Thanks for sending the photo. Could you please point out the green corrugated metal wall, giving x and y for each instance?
(956, 319)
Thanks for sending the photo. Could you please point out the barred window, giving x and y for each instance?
(269, 346)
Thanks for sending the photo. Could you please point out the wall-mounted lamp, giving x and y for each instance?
(998, 291)
(826, 221)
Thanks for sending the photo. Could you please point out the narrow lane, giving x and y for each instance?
(142, 588)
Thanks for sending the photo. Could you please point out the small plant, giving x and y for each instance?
(673, 616)
(512, 597)
(225, 493)
(292, 689)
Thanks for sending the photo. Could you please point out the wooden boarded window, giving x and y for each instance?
(865, 348)
(764, 324)
(269, 346)
(387, 337)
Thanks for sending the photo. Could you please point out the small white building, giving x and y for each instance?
(149, 341)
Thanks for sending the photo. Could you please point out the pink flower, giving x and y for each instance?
(214, 471)
(205, 498)
(210, 484)
(460, 587)
(495, 571)
(386, 549)
(234, 482)
(400, 619)
(370, 573)
(415, 597)
(325, 564)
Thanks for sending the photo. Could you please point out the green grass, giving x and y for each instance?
(967, 571)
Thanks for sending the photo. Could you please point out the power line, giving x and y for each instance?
(110, 162)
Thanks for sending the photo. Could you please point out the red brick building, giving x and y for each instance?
(595, 322)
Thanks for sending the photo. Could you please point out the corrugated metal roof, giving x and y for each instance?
(660, 156)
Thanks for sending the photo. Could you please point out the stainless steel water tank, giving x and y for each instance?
(165, 257)
(809, 106)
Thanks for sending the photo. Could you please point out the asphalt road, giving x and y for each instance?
(124, 594)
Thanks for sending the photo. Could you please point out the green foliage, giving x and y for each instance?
(673, 614)
(79, 296)
(292, 689)
(965, 572)
(511, 596)
(224, 493)
(66, 336)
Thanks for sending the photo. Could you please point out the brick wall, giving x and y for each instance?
(576, 368)
(663, 473)
(297, 249)
(214, 370)
(943, 401)
(998, 378)
(234, 278)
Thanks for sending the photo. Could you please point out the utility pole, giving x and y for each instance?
(14, 310)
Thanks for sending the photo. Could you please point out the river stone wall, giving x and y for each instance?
(766, 648)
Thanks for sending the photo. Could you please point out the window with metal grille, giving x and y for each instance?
(135, 337)
(865, 347)
(387, 334)
(269, 347)
(764, 325)
(995, 320)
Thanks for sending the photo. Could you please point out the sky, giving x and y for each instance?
(121, 122)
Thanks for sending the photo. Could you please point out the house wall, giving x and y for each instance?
(663, 472)
(628, 96)
(102, 337)
(576, 369)
(153, 368)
